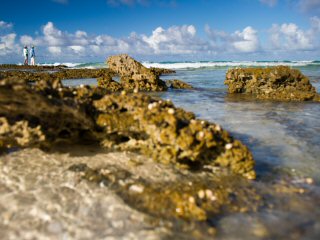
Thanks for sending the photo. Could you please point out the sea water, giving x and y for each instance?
(284, 138)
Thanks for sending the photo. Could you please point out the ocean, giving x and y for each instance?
(283, 136)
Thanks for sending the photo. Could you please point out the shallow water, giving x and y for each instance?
(278, 133)
(283, 137)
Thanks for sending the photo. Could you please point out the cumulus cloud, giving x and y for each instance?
(5, 25)
(289, 37)
(270, 3)
(174, 40)
(244, 41)
(54, 43)
(8, 44)
(55, 50)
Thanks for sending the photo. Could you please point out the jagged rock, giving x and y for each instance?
(108, 83)
(133, 75)
(168, 134)
(178, 84)
(46, 108)
(134, 122)
(278, 83)
(19, 134)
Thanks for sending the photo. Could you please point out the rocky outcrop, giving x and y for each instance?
(276, 83)
(178, 84)
(107, 82)
(169, 135)
(42, 111)
(52, 113)
(59, 74)
(133, 75)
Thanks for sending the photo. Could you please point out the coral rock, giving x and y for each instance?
(133, 75)
(277, 83)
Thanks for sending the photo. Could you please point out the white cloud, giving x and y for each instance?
(244, 41)
(270, 3)
(55, 50)
(247, 40)
(53, 36)
(183, 41)
(5, 25)
(77, 49)
(8, 45)
(174, 40)
(290, 37)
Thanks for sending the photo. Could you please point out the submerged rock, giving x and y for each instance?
(133, 75)
(276, 83)
(178, 84)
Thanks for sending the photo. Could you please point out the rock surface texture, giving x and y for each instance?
(275, 83)
(52, 113)
(133, 75)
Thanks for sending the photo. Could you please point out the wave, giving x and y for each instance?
(221, 64)
(195, 65)
(68, 64)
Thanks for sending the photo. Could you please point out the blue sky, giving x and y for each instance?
(158, 30)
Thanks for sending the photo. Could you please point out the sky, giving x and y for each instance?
(160, 30)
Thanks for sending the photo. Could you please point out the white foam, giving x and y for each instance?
(68, 64)
(195, 65)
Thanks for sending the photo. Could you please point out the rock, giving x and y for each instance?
(19, 134)
(133, 75)
(178, 84)
(133, 122)
(108, 83)
(157, 129)
(35, 113)
(162, 71)
(277, 83)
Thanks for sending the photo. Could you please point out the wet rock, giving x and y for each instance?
(133, 75)
(276, 83)
(19, 134)
(56, 74)
(108, 83)
(157, 129)
(178, 84)
(162, 71)
(30, 67)
(32, 113)
(178, 199)
(134, 122)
